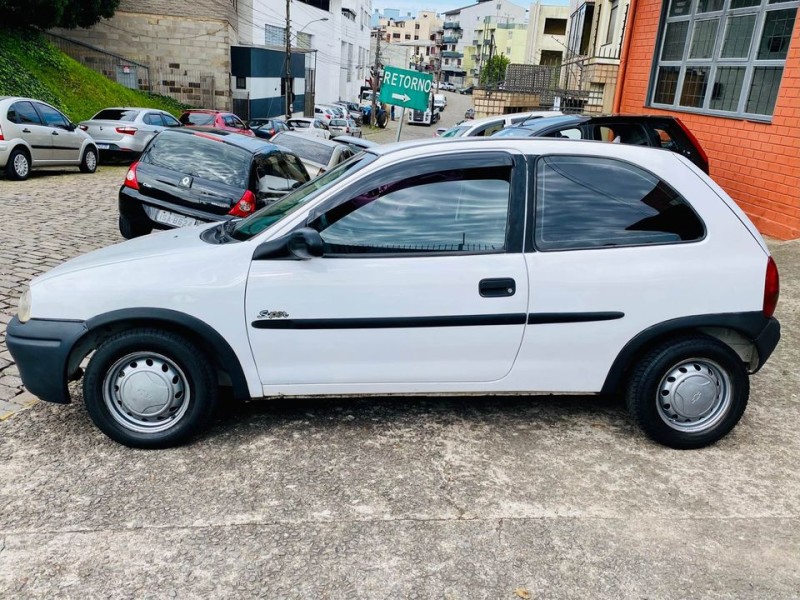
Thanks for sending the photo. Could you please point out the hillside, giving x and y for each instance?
(30, 66)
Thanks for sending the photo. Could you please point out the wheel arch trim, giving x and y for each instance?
(761, 331)
(220, 350)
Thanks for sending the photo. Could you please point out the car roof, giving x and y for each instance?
(483, 120)
(354, 141)
(251, 144)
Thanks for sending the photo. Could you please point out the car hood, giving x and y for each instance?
(173, 241)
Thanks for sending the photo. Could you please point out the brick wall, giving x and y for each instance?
(758, 164)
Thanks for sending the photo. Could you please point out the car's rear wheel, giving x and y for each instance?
(89, 161)
(147, 388)
(131, 229)
(688, 392)
(19, 164)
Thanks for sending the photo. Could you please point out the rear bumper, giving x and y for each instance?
(767, 340)
(142, 209)
(41, 349)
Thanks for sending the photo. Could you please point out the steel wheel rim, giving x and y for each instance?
(694, 395)
(21, 166)
(91, 160)
(146, 392)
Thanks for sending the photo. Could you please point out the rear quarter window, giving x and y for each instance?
(589, 202)
(200, 157)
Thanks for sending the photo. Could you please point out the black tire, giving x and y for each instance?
(18, 166)
(89, 160)
(145, 366)
(133, 229)
(383, 120)
(659, 388)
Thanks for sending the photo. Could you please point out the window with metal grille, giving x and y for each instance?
(274, 36)
(722, 56)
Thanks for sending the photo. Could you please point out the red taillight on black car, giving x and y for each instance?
(245, 207)
(772, 288)
(130, 177)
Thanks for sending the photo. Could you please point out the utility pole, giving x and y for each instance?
(372, 115)
(288, 83)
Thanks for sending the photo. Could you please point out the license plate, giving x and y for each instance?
(103, 146)
(168, 218)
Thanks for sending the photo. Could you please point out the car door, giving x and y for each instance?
(32, 129)
(422, 282)
(66, 144)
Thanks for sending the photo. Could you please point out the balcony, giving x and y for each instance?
(450, 39)
(452, 25)
(451, 54)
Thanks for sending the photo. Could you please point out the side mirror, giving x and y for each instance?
(301, 244)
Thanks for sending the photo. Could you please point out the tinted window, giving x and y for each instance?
(489, 129)
(572, 133)
(272, 173)
(51, 116)
(200, 157)
(197, 119)
(300, 124)
(295, 168)
(306, 147)
(153, 119)
(338, 123)
(622, 133)
(463, 210)
(23, 112)
(116, 114)
(456, 131)
(170, 121)
(595, 202)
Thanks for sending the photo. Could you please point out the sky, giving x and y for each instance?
(414, 6)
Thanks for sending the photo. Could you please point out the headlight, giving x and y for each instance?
(24, 310)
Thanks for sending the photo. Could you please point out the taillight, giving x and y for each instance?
(1, 134)
(130, 177)
(245, 206)
(126, 130)
(772, 288)
(695, 143)
(83, 127)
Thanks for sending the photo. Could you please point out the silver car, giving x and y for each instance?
(120, 130)
(33, 134)
(339, 127)
(317, 155)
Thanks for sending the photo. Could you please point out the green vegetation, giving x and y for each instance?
(32, 67)
(55, 13)
(494, 72)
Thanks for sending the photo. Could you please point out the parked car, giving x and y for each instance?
(190, 176)
(447, 86)
(325, 113)
(339, 127)
(318, 155)
(217, 119)
(466, 90)
(309, 126)
(638, 276)
(657, 131)
(439, 131)
(34, 134)
(119, 131)
(353, 109)
(356, 144)
(266, 128)
(469, 114)
(489, 125)
(439, 102)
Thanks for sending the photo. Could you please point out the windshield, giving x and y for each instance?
(306, 147)
(456, 131)
(269, 215)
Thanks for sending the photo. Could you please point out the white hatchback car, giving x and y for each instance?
(33, 134)
(494, 266)
(489, 125)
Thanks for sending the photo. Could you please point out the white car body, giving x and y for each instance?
(324, 326)
(439, 102)
(309, 126)
(488, 125)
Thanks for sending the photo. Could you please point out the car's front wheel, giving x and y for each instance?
(148, 388)
(688, 392)
(89, 161)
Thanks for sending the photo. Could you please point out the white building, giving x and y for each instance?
(330, 53)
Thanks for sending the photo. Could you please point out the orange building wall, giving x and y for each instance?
(758, 164)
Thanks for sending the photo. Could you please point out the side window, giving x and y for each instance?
(586, 202)
(153, 119)
(294, 168)
(228, 120)
(458, 211)
(344, 155)
(238, 123)
(622, 133)
(665, 139)
(22, 113)
(489, 129)
(170, 121)
(573, 133)
(51, 117)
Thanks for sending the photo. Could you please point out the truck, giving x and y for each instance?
(424, 117)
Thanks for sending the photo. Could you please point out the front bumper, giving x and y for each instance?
(41, 349)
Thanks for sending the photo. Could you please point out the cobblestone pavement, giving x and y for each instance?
(51, 217)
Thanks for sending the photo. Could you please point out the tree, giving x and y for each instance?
(55, 13)
(494, 72)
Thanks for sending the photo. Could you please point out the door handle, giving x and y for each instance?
(26, 130)
(497, 288)
(55, 133)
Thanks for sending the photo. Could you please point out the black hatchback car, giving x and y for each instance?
(190, 176)
(639, 130)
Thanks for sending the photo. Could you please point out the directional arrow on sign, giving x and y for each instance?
(402, 97)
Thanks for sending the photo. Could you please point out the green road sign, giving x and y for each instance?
(406, 88)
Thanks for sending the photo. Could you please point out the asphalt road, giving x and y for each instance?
(547, 497)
